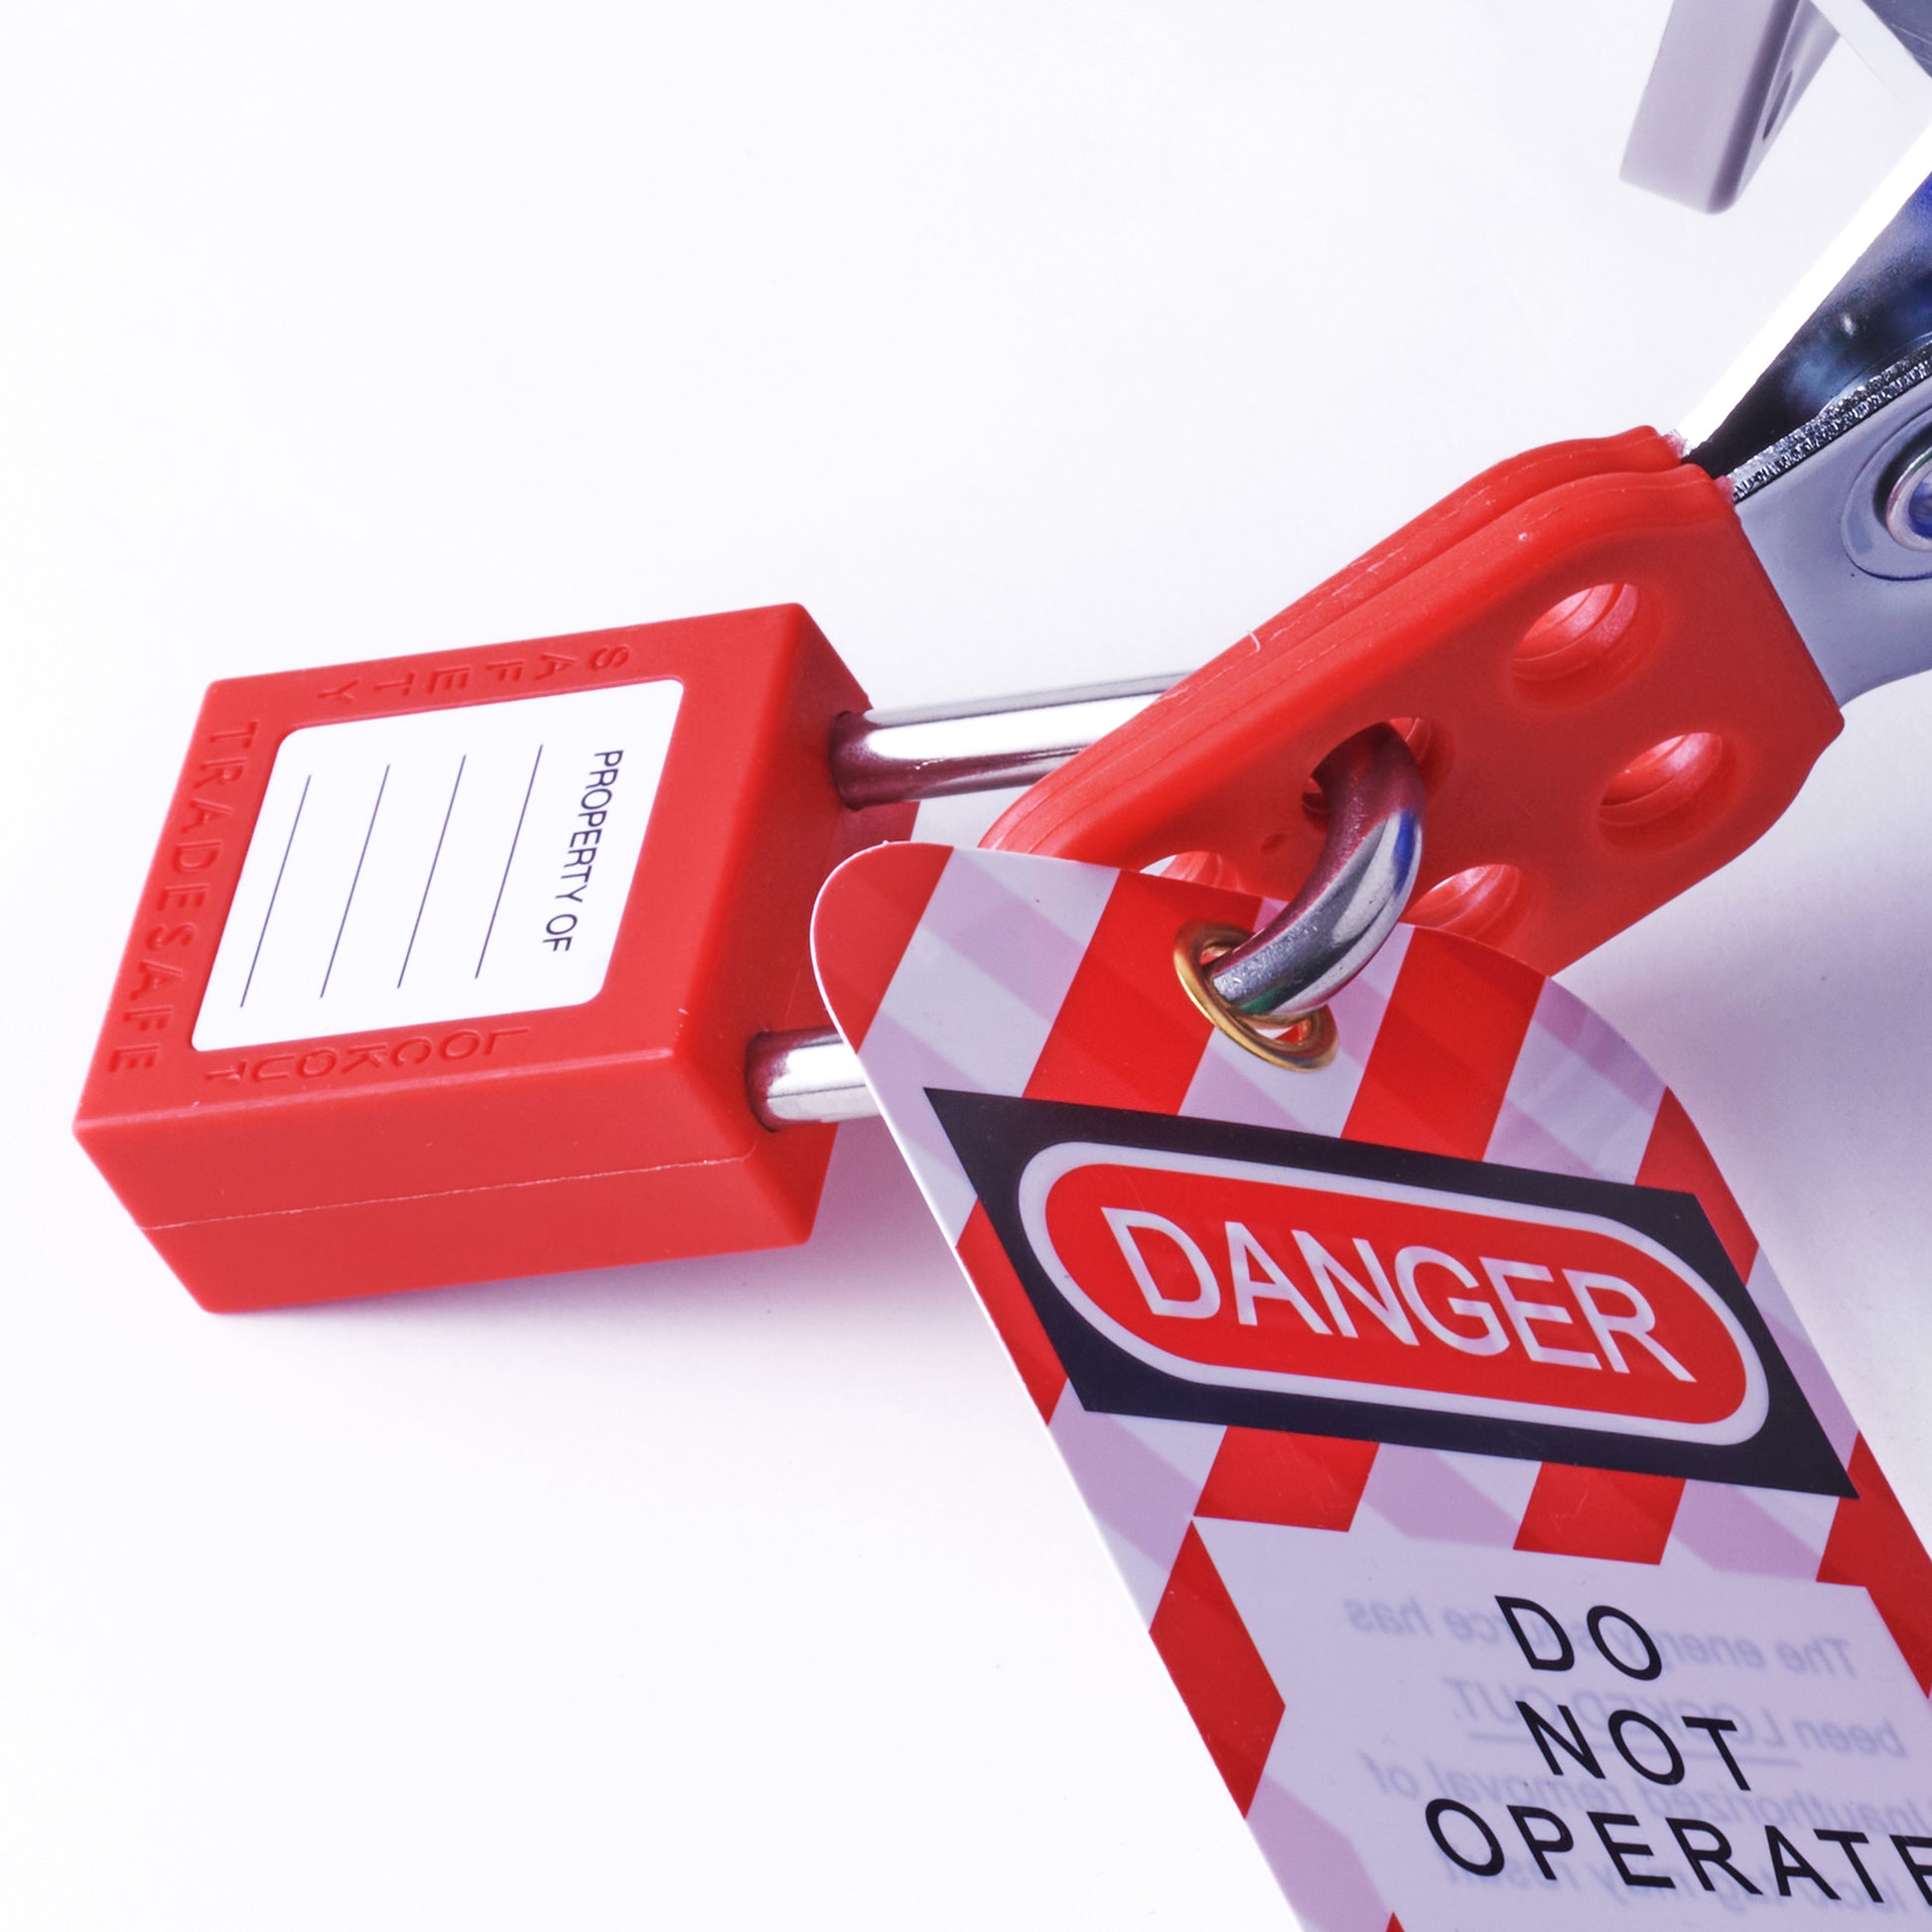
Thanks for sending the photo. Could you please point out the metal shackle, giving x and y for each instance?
(1299, 961)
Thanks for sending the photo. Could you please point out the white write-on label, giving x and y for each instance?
(439, 864)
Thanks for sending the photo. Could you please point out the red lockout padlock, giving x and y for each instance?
(493, 963)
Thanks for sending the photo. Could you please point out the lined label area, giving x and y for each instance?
(442, 864)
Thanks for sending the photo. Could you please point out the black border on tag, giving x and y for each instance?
(996, 1137)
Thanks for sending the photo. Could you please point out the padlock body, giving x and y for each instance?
(446, 966)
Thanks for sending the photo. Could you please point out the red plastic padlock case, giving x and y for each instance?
(371, 1157)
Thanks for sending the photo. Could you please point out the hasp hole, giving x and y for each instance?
(1664, 791)
(1424, 746)
(1582, 641)
(1477, 903)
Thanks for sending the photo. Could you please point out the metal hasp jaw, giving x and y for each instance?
(1826, 449)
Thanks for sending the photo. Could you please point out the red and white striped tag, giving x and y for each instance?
(1426, 1402)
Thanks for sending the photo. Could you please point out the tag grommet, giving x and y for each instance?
(1304, 1042)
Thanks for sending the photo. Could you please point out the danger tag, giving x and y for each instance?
(1466, 1462)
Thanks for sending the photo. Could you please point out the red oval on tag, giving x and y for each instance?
(1248, 1276)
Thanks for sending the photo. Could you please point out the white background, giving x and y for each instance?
(1023, 343)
